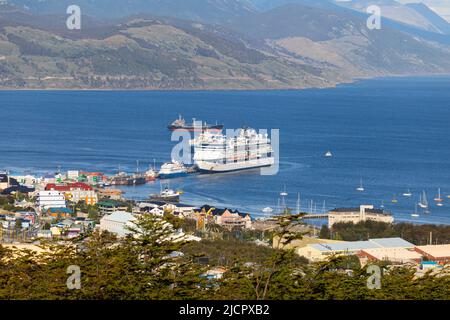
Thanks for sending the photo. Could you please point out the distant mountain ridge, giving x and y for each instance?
(299, 45)
(205, 10)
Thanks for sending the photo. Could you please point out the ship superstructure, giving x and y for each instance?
(215, 152)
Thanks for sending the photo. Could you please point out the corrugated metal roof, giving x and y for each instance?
(119, 216)
(392, 243)
(360, 245)
(344, 246)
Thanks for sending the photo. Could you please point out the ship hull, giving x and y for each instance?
(196, 129)
(175, 198)
(136, 181)
(212, 167)
(172, 175)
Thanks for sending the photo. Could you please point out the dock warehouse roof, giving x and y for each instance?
(401, 255)
(68, 187)
(345, 210)
(361, 245)
(435, 252)
(112, 204)
(120, 216)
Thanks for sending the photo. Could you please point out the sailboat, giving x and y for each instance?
(439, 199)
(360, 188)
(328, 154)
(415, 214)
(407, 194)
(423, 203)
(283, 195)
(298, 203)
(382, 204)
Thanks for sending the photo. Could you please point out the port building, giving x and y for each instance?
(50, 199)
(356, 215)
(397, 255)
(4, 181)
(321, 251)
(110, 206)
(117, 222)
(437, 253)
(76, 192)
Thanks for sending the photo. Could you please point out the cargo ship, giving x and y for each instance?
(195, 126)
(136, 179)
(120, 179)
(150, 175)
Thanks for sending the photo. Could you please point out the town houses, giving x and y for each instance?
(225, 218)
(75, 192)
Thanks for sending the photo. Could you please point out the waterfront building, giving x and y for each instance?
(4, 181)
(398, 255)
(92, 178)
(321, 251)
(50, 199)
(117, 222)
(110, 206)
(356, 215)
(179, 209)
(44, 234)
(76, 192)
(300, 243)
(59, 212)
(26, 180)
(48, 178)
(231, 220)
(437, 253)
(113, 194)
(161, 207)
(73, 175)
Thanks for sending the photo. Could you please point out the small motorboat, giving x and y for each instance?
(394, 199)
(167, 195)
(267, 210)
(408, 194)
(415, 214)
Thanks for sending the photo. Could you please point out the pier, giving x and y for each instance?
(315, 216)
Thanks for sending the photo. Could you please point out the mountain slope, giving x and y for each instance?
(343, 41)
(145, 53)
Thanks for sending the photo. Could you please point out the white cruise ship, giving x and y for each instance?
(172, 169)
(215, 152)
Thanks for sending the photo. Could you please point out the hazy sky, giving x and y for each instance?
(440, 6)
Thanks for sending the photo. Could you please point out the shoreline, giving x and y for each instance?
(353, 81)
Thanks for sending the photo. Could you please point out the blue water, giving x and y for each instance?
(393, 133)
